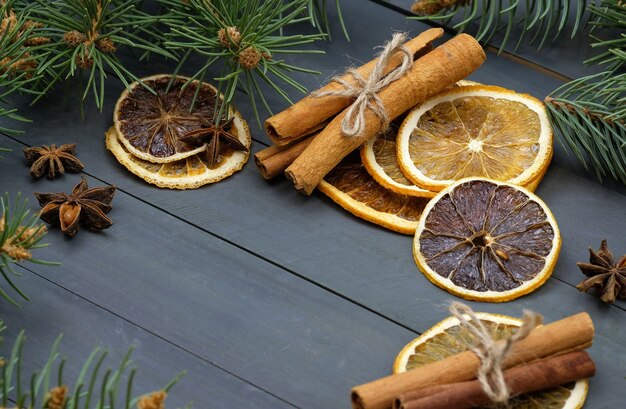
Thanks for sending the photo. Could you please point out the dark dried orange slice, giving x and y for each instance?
(149, 124)
(486, 240)
(350, 186)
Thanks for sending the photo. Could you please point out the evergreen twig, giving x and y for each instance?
(20, 234)
(243, 39)
(94, 388)
(17, 64)
(589, 113)
(545, 18)
(85, 35)
(317, 10)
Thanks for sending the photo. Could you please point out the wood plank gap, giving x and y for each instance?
(491, 48)
(276, 264)
(154, 334)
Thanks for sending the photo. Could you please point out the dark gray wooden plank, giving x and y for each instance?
(283, 334)
(84, 326)
(565, 55)
(318, 241)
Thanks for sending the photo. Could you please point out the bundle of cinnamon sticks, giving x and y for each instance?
(550, 356)
(307, 137)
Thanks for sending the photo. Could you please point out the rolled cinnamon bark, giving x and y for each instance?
(311, 113)
(534, 377)
(429, 75)
(573, 333)
(273, 160)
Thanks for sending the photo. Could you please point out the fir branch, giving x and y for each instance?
(546, 18)
(20, 234)
(318, 13)
(589, 113)
(95, 387)
(85, 36)
(17, 62)
(243, 39)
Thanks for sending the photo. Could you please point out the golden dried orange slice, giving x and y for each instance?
(150, 125)
(380, 159)
(475, 131)
(188, 173)
(449, 338)
(487, 241)
(350, 186)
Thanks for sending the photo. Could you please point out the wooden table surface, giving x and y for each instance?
(267, 298)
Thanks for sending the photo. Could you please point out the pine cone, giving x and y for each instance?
(106, 45)
(56, 398)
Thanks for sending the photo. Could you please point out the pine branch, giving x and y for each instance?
(95, 387)
(85, 35)
(17, 63)
(318, 13)
(20, 234)
(242, 40)
(547, 19)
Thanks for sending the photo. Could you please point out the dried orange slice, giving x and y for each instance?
(488, 241)
(149, 124)
(475, 131)
(188, 173)
(350, 186)
(449, 338)
(380, 159)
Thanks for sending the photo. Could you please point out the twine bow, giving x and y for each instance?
(490, 352)
(365, 91)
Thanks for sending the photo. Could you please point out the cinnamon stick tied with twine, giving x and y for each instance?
(534, 377)
(573, 333)
(311, 114)
(273, 160)
(429, 75)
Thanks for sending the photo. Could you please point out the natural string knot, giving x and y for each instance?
(365, 91)
(490, 352)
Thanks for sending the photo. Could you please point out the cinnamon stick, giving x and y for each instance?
(311, 113)
(573, 333)
(534, 377)
(429, 75)
(273, 160)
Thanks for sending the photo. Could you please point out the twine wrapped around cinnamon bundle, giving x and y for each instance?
(312, 113)
(427, 76)
(562, 337)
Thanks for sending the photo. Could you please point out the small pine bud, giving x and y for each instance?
(233, 37)
(155, 400)
(16, 253)
(430, 7)
(249, 58)
(106, 45)
(83, 60)
(74, 38)
(56, 398)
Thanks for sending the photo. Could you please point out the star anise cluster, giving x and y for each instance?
(84, 206)
(52, 161)
(604, 274)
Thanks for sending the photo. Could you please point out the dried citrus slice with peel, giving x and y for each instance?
(475, 131)
(380, 159)
(149, 124)
(487, 241)
(187, 173)
(350, 186)
(449, 338)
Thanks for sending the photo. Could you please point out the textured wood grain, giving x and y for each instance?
(269, 326)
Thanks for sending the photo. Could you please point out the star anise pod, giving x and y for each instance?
(52, 160)
(604, 274)
(84, 206)
(212, 135)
